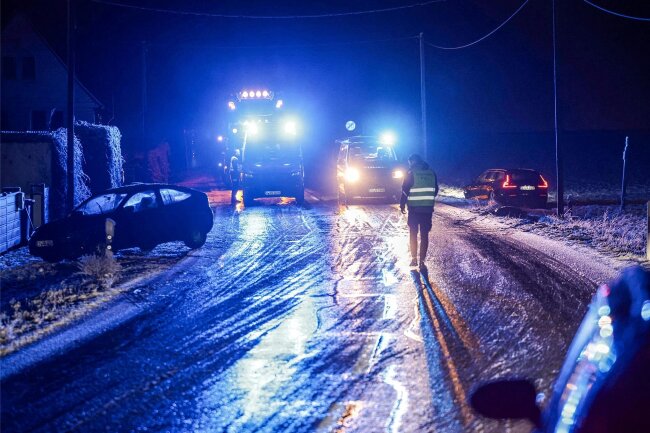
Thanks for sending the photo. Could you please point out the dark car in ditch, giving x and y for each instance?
(519, 187)
(604, 384)
(367, 168)
(145, 215)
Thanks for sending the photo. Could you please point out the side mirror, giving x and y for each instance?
(503, 399)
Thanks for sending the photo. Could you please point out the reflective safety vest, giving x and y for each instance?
(423, 189)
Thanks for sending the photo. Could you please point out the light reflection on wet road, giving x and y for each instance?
(293, 319)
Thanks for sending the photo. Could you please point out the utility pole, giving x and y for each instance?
(70, 124)
(559, 163)
(423, 99)
(624, 177)
(144, 91)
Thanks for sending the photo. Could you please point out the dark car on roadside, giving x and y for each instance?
(368, 168)
(145, 215)
(604, 384)
(520, 187)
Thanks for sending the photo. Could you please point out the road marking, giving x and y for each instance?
(401, 402)
(390, 308)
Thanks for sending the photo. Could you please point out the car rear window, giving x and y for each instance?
(528, 177)
(173, 196)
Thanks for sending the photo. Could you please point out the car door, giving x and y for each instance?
(483, 184)
(178, 216)
(141, 221)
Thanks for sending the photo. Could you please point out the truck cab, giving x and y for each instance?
(272, 163)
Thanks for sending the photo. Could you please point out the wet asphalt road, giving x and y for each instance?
(309, 319)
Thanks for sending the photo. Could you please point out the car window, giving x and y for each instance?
(170, 196)
(101, 204)
(342, 153)
(483, 176)
(142, 201)
(491, 175)
(525, 176)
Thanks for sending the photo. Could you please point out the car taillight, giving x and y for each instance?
(507, 184)
(544, 183)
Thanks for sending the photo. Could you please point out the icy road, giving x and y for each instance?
(308, 319)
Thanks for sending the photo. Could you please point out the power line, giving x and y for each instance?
(629, 17)
(272, 46)
(266, 17)
(483, 37)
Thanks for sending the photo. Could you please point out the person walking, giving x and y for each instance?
(419, 189)
(235, 175)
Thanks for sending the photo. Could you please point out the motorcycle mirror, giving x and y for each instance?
(509, 398)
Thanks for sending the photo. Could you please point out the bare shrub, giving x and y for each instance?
(103, 269)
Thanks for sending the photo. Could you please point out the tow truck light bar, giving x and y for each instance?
(255, 94)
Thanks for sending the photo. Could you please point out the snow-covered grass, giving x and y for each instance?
(605, 228)
(32, 317)
(39, 298)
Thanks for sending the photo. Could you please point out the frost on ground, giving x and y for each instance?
(39, 298)
(605, 228)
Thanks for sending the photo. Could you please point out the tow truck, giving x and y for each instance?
(272, 163)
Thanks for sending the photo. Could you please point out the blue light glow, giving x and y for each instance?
(388, 138)
(645, 310)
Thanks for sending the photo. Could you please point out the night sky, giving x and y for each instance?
(366, 68)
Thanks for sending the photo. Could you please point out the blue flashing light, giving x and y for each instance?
(388, 138)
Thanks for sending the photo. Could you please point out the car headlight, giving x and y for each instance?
(290, 128)
(398, 174)
(352, 174)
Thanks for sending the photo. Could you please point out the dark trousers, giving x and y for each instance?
(419, 221)
(234, 180)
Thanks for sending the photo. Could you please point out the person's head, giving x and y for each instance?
(237, 153)
(415, 159)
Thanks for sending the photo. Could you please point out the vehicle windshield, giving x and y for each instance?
(272, 151)
(255, 107)
(101, 204)
(371, 152)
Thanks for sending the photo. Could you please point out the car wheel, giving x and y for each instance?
(196, 239)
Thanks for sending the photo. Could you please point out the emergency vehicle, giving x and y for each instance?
(271, 152)
(367, 168)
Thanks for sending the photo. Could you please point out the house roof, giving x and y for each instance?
(19, 21)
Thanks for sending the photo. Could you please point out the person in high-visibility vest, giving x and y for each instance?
(235, 174)
(419, 190)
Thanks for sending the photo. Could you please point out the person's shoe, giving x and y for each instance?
(414, 263)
